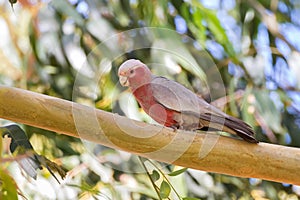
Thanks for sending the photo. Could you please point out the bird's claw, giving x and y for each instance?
(175, 127)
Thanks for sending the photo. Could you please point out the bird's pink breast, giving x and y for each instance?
(156, 111)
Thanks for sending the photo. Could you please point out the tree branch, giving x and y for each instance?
(269, 19)
(208, 152)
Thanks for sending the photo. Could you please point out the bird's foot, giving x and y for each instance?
(174, 127)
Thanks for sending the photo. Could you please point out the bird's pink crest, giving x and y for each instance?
(128, 65)
(134, 73)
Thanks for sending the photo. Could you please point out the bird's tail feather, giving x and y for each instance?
(229, 124)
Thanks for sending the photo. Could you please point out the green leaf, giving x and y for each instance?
(177, 172)
(0, 145)
(164, 189)
(173, 42)
(268, 110)
(185, 11)
(190, 198)
(247, 107)
(155, 175)
(8, 187)
(218, 31)
(214, 25)
(20, 144)
(201, 29)
(232, 102)
(18, 136)
(65, 8)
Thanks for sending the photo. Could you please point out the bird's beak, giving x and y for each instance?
(124, 81)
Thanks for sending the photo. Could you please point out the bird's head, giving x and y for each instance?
(133, 73)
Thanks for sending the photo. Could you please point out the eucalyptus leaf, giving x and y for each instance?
(214, 25)
(293, 62)
(8, 186)
(21, 145)
(177, 172)
(1, 141)
(65, 8)
(155, 175)
(268, 110)
(164, 189)
(185, 11)
(190, 198)
(201, 29)
(20, 142)
(218, 31)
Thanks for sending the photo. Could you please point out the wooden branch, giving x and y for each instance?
(208, 152)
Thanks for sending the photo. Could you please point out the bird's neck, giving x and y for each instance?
(144, 95)
(140, 83)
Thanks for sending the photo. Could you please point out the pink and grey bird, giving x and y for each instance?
(173, 105)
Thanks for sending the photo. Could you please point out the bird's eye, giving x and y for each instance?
(131, 71)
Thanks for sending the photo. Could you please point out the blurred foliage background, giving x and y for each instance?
(246, 51)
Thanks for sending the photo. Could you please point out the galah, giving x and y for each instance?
(173, 105)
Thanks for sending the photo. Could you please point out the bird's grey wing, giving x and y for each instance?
(177, 97)
(174, 96)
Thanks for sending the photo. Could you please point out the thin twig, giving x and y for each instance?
(148, 174)
(162, 173)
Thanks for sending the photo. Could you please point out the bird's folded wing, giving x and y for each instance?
(176, 97)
